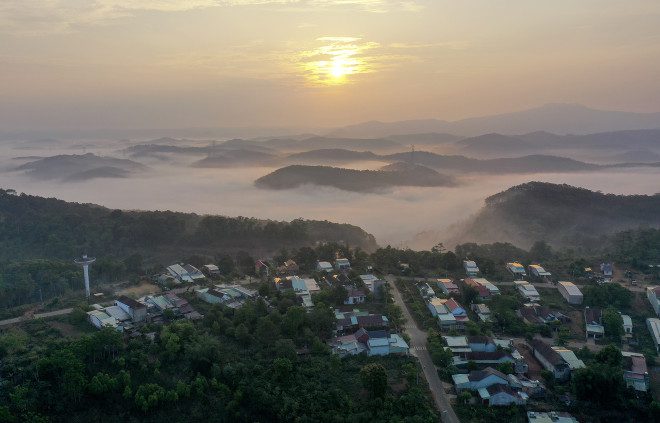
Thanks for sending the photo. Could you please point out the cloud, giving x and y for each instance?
(38, 17)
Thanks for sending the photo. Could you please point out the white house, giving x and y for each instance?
(471, 268)
(516, 269)
(501, 395)
(478, 379)
(537, 271)
(342, 264)
(528, 291)
(570, 292)
(653, 325)
(627, 324)
(100, 319)
(324, 266)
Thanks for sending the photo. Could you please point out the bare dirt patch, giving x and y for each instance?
(139, 290)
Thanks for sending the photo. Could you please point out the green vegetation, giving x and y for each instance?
(36, 227)
(253, 364)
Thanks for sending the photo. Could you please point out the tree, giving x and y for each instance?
(374, 379)
(598, 383)
(613, 324)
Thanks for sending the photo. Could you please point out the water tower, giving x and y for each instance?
(85, 262)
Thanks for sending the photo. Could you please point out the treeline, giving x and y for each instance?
(36, 227)
(256, 364)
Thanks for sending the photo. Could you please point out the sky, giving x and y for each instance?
(86, 64)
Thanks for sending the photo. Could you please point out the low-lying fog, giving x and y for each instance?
(395, 216)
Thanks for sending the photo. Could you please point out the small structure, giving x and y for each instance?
(457, 344)
(528, 291)
(211, 270)
(535, 314)
(324, 266)
(484, 288)
(551, 417)
(516, 269)
(635, 371)
(355, 296)
(482, 311)
(538, 272)
(342, 264)
(262, 268)
(100, 319)
(471, 269)
(653, 295)
(570, 292)
(607, 270)
(374, 343)
(135, 309)
(186, 273)
(426, 291)
(653, 326)
(557, 360)
(478, 379)
(593, 322)
(501, 395)
(627, 324)
(373, 284)
(448, 286)
(288, 268)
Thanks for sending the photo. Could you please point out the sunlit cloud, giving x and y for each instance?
(338, 60)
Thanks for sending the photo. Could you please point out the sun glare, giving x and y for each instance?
(335, 62)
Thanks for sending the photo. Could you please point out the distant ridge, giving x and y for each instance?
(557, 118)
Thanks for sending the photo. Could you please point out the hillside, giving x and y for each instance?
(36, 227)
(561, 215)
(331, 155)
(235, 158)
(76, 167)
(352, 180)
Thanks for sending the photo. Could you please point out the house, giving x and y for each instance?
(288, 268)
(194, 273)
(372, 321)
(478, 379)
(398, 345)
(484, 358)
(607, 270)
(635, 371)
(653, 325)
(550, 359)
(355, 296)
(482, 311)
(311, 285)
(342, 264)
(471, 269)
(450, 314)
(485, 289)
(457, 344)
(448, 286)
(551, 417)
(593, 322)
(528, 291)
(538, 272)
(501, 395)
(347, 345)
(179, 273)
(304, 285)
(283, 284)
(653, 295)
(627, 324)
(481, 344)
(210, 295)
(232, 296)
(516, 269)
(533, 388)
(569, 358)
(211, 270)
(372, 283)
(324, 266)
(305, 299)
(570, 292)
(100, 319)
(135, 309)
(426, 291)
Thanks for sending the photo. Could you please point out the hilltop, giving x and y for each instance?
(37, 227)
(75, 167)
(561, 215)
(353, 180)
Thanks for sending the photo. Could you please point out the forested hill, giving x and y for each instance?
(36, 227)
(561, 215)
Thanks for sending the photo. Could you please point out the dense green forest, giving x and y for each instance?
(561, 215)
(36, 227)
(256, 364)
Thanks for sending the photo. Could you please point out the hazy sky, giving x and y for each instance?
(189, 63)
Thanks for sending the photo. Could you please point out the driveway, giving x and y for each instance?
(418, 349)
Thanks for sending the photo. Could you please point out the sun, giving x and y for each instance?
(339, 68)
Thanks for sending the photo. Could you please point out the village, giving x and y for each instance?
(480, 355)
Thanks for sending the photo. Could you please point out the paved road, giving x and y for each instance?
(46, 315)
(418, 348)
